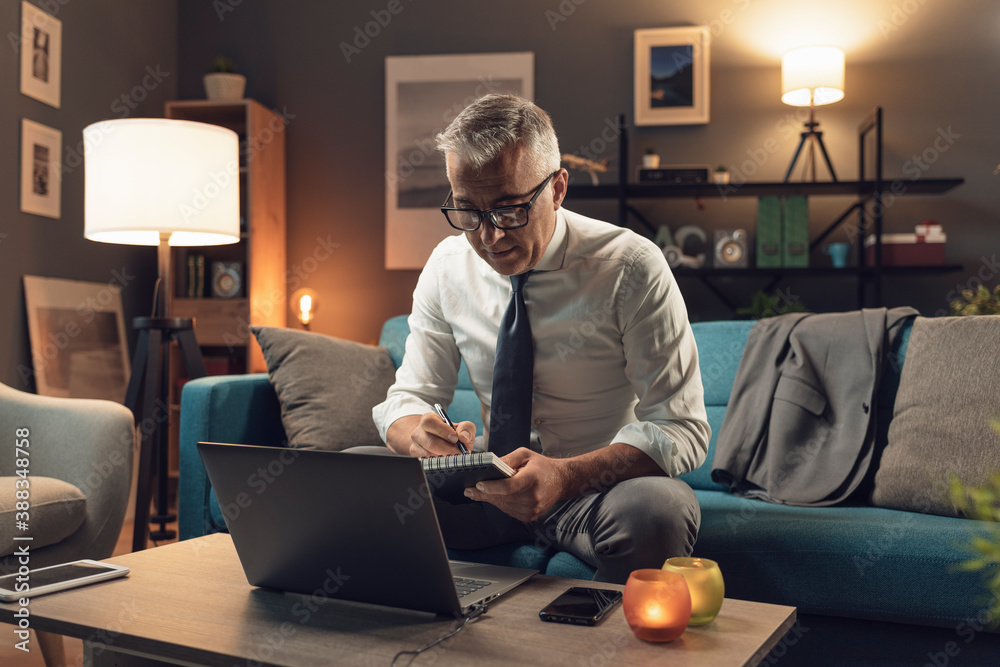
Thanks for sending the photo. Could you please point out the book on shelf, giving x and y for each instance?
(195, 276)
(449, 476)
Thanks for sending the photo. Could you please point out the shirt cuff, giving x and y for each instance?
(395, 407)
(652, 441)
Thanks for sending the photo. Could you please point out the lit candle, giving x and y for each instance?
(704, 580)
(657, 604)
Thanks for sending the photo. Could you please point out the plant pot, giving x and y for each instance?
(650, 161)
(222, 86)
(720, 177)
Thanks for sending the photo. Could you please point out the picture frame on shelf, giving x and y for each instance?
(672, 76)
(41, 55)
(423, 94)
(77, 335)
(41, 175)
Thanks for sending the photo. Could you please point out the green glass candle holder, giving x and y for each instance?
(704, 579)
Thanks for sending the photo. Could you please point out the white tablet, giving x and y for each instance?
(57, 578)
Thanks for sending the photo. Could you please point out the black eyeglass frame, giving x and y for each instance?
(489, 213)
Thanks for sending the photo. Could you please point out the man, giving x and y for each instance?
(616, 400)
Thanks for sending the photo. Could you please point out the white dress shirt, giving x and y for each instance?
(615, 358)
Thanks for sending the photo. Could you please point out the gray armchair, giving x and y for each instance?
(79, 472)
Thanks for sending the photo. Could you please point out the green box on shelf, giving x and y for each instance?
(769, 232)
(795, 232)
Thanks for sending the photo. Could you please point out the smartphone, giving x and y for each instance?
(57, 578)
(582, 606)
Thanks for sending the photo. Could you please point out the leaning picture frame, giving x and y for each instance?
(77, 335)
(41, 55)
(41, 173)
(423, 94)
(672, 76)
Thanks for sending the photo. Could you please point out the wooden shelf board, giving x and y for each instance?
(851, 271)
(926, 186)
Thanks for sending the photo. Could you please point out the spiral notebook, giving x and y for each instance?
(449, 476)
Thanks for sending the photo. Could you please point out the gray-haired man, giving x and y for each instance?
(616, 400)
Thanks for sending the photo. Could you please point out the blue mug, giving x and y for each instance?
(838, 253)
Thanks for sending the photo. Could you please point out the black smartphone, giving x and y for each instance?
(581, 606)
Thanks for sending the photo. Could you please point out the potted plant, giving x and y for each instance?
(650, 160)
(721, 175)
(222, 83)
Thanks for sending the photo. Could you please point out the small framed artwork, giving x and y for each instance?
(78, 344)
(672, 76)
(41, 54)
(41, 176)
(423, 94)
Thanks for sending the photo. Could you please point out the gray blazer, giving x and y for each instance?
(800, 425)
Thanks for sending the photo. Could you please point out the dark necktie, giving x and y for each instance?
(513, 371)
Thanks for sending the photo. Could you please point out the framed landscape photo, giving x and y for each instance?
(672, 76)
(41, 55)
(77, 333)
(41, 175)
(423, 94)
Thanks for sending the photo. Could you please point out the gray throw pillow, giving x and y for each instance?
(949, 392)
(326, 387)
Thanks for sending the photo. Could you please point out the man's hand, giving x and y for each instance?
(426, 435)
(540, 482)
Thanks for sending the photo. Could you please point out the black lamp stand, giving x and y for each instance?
(813, 138)
(150, 382)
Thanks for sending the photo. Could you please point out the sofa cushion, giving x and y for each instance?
(941, 422)
(56, 510)
(854, 561)
(326, 387)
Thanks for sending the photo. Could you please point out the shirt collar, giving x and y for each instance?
(555, 253)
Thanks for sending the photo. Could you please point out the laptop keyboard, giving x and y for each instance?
(468, 586)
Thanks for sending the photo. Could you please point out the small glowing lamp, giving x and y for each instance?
(657, 604)
(704, 580)
(304, 303)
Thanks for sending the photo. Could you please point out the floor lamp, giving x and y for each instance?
(812, 76)
(160, 183)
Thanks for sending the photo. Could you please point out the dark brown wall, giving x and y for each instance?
(107, 47)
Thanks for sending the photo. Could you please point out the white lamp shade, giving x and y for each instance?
(147, 176)
(812, 76)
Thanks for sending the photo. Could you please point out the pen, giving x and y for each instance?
(444, 417)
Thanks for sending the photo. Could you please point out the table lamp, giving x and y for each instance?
(163, 183)
(304, 304)
(812, 76)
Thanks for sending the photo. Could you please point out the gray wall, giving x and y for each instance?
(932, 68)
(107, 47)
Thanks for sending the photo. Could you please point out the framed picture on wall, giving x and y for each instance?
(77, 333)
(41, 175)
(41, 54)
(672, 76)
(423, 94)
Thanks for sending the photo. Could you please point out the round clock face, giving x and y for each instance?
(227, 283)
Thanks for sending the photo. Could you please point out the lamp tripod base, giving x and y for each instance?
(150, 382)
(814, 139)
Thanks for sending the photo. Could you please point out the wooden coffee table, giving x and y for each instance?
(189, 603)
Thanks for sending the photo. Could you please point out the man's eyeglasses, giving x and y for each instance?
(504, 217)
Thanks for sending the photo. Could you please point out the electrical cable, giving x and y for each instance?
(475, 611)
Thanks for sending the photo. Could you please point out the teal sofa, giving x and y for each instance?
(871, 585)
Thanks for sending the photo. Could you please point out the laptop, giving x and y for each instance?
(357, 527)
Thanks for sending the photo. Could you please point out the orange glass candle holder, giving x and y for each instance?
(704, 580)
(657, 604)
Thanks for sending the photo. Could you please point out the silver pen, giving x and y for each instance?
(444, 417)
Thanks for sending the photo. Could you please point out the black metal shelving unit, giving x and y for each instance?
(868, 193)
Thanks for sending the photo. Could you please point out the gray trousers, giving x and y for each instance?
(637, 523)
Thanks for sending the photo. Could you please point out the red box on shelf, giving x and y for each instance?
(907, 250)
